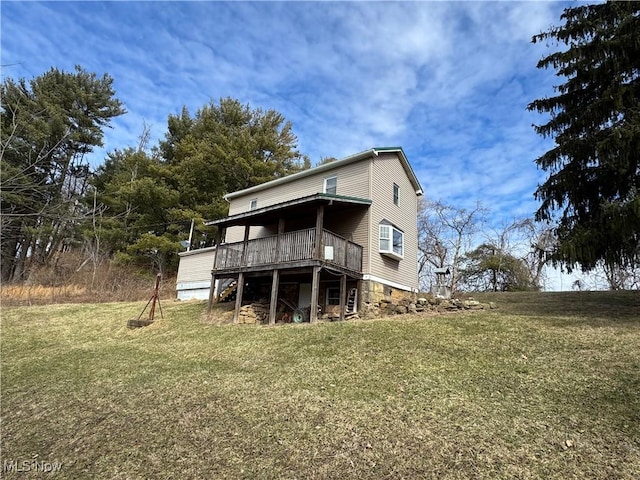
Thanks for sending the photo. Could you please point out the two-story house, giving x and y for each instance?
(323, 239)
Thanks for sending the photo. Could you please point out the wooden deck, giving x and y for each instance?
(277, 251)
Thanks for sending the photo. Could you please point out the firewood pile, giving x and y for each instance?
(253, 313)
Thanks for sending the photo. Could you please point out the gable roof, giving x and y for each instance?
(373, 152)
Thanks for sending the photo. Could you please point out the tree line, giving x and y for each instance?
(142, 201)
(138, 205)
(589, 214)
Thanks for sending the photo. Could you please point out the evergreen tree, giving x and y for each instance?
(223, 148)
(594, 169)
(49, 125)
(136, 198)
(143, 221)
(151, 198)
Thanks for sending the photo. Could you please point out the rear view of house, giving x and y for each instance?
(321, 241)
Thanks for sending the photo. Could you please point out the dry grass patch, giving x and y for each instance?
(127, 290)
(72, 280)
(30, 294)
(478, 395)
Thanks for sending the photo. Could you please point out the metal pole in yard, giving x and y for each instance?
(190, 234)
(155, 298)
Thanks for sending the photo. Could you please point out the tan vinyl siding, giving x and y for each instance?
(196, 265)
(236, 234)
(353, 227)
(371, 178)
(352, 181)
(387, 170)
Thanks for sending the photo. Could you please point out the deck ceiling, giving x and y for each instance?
(294, 208)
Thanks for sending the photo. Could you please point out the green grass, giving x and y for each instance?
(547, 386)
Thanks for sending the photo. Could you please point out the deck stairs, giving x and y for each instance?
(229, 292)
(352, 301)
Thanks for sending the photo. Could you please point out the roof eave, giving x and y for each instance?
(407, 167)
(318, 197)
(310, 171)
(372, 152)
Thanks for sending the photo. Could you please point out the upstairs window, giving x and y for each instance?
(253, 204)
(331, 185)
(391, 241)
(396, 193)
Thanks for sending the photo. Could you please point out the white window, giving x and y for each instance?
(396, 193)
(331, 185)
(253, 204)
(391, 241)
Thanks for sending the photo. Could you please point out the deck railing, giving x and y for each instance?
(289, 247)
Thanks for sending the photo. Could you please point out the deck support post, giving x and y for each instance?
(279, 238)
(212, 288)
(236, 312)
(343, 296)
(212, 292)
(315, 287)
(273, 305)
(244, 245)
(319, 225)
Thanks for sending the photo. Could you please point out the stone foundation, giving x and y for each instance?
(376, 292)
(379, 299)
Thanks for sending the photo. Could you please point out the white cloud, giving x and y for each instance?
(447, 81)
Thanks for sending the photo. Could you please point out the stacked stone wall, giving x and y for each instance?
(381, 300)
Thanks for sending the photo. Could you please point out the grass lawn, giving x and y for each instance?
(546, 386)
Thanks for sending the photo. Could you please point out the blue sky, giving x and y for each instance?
(447, 81)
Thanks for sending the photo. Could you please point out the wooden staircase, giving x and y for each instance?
(228, 292)
(352, 301)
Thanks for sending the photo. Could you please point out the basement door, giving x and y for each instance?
(304, 297)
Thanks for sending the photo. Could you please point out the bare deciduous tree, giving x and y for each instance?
(445, 233)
